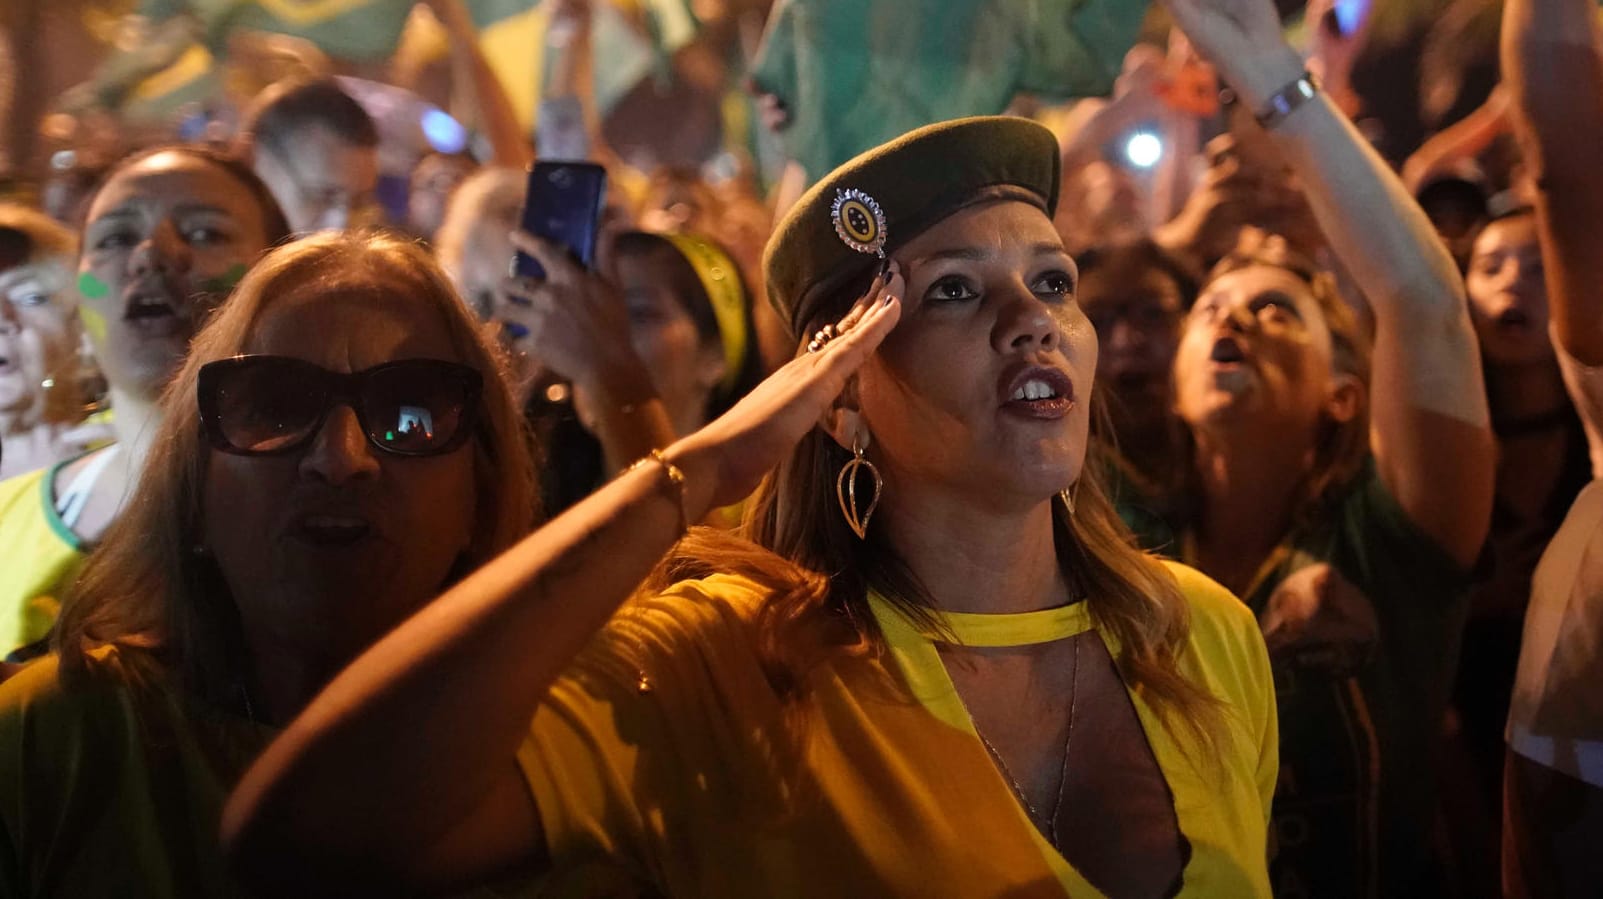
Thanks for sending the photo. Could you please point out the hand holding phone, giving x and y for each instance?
(563, 205)
(574, 322)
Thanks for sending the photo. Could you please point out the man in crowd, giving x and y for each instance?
(317, 150)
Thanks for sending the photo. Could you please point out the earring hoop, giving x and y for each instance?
(846, 490)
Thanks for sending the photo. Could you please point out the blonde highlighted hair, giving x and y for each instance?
(818, 575)
(164, 607)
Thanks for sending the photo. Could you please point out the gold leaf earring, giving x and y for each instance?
(1068, 496)
(846, 490)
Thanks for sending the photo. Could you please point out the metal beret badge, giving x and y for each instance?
(859, 221)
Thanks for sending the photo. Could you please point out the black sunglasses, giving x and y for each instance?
(267, 405)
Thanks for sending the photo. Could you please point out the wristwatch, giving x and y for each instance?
(1285, 101)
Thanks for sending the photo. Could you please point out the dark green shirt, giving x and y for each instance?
(1361, 707)
(111, 790)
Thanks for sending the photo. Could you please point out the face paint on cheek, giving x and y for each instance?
(92, 287)
(94, 323)
(225, 282)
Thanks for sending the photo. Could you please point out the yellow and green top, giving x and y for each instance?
(39, 557)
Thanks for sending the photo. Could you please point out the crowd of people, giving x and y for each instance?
(1017, 510)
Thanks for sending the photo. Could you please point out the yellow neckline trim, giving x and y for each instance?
(979, 629)
(1012, 629)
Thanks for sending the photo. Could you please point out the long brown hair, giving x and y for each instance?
(817, 574)
(147, 592)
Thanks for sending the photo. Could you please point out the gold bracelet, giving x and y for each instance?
(675, 479)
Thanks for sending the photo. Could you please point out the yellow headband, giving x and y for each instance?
(721, 279)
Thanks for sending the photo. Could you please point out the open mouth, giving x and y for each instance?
(1227, 351)
(1033, 391)
(1513, 319)
(153, 313)
(1039, 392)
(149, 306)
(332, 530)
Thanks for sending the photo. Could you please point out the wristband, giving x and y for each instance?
(1288, 99)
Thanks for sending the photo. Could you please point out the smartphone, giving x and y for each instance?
(563, 205)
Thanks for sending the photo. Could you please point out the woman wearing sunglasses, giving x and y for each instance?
(338, 448)
(940, 670)
(167, 235)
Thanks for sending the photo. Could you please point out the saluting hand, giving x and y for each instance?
(725, 460)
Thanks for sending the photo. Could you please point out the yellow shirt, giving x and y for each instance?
(39, 557)
(677, 789)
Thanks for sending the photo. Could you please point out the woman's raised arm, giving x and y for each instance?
(402, 770)
(1553, 66)
(1430, 428)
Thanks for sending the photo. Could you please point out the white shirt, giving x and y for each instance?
(1556, 717)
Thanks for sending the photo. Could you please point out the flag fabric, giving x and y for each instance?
(854, 74)
(191, 79)
(630, 40)
(512, 36)
(350, 29)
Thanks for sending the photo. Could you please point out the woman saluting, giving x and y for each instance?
(938, 670)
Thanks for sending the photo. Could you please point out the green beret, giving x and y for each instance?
(916, 180)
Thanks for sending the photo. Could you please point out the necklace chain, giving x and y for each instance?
(1049, 821)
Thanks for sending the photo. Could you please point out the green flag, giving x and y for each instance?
(349, 29)
(854, 74)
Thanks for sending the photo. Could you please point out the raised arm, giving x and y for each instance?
(496, 118)
(569, 125)
(1429, 423)
(1553, 67)
(1464, 139)
(402, 771)
(1094, 122)
(578, 328)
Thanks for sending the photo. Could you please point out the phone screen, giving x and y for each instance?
(563, 205)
